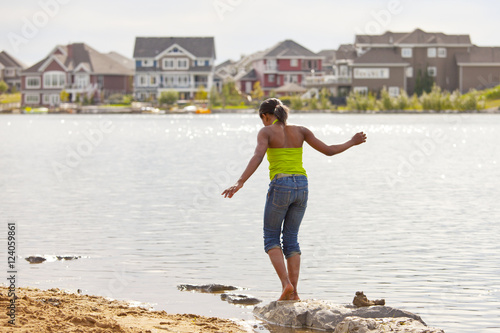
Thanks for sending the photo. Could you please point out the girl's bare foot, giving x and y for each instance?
(294, 296)
(287, 292)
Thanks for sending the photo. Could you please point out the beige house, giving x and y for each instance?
(479, 68)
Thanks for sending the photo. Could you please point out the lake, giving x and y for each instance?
(411, 216)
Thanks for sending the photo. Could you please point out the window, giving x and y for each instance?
(407, 52)
(361, 90)
(272, 64)
(271, 78)
(431, 52)
(168, 63)
(295, 78)
(294, 63)
(32, 82)
(344, 72)
(248, 87)
(442, 52)
(153, 80)
(54, 79)
(371, 73)
(182, 64)
(394, 91)
(142, 80)
(82, 80)
(409, 72)
(432, 71)
(147, 63)
(52, 99)
(183, 80)
(10, 72)
(32, 99)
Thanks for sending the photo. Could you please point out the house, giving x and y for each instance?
(286, 62)
(399, 60)
(479, 68)
(183, 64)
(10, 71)
(81, 71)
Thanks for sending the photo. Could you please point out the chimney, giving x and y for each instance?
(70, 51)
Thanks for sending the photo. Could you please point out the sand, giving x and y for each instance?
(54, 310)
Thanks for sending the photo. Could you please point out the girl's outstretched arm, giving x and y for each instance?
(330, 150)
(253, 164)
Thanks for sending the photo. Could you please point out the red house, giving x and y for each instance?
(287, 62)
(81, 71)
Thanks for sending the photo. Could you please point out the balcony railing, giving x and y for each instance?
(326, 80)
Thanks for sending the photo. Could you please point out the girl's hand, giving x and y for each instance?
(230, 191)
(359, 138)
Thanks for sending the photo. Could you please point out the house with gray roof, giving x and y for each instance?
(397, 60)
(81, 71)
(10, 70)
(183, 64)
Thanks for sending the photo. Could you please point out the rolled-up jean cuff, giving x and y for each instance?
(273, 247)
(291, 254)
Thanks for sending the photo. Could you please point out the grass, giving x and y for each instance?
(493, 104)
(10, 98)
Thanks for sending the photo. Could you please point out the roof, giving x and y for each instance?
(380, 56)
(346, 51)
(9, 61)
(150, 47)
(291, 88)
(418, 36)
(480, 55)
(250, 76)
(80, 53)
(289, 48)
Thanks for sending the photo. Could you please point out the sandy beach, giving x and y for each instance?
(55, 310)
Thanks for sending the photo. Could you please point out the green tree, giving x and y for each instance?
(3, 87)
(324, 97)
(424, 83)
(257, 93)
(296, 103)
(64, 96)
(201, 94)
(230, 95)
(169, 97)
(214, 98)
(386, 101)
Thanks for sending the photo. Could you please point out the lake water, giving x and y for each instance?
(411, 216)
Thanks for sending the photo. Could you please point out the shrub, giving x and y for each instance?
(296, 103)
(361, 102)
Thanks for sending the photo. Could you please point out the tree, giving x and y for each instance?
(169, 97)
(423, 83)
(3, 87)
(230, 95)
(201, 94)
(64, 96)
(214, 97)
(257, 93)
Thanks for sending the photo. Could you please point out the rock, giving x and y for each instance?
(35, 260)
(67, 257)
(240, 299)
(321, 314)
(361, 300)
(380, 325)
(207, 288)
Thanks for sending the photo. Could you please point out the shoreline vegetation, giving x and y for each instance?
(433, 101)
(55, 310)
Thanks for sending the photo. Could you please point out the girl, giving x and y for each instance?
(288, 191)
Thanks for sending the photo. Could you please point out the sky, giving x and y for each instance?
(30, 29)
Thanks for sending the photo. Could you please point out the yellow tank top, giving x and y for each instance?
(285, 160)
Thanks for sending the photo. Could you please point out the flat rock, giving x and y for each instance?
(322, 315)
(35, 259)
(380, 325)
(240, 299)
(206, 288)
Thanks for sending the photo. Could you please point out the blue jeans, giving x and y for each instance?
(285, 207)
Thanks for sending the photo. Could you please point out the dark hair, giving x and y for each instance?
(275, 107)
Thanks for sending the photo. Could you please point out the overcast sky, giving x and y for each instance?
(31, 28)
